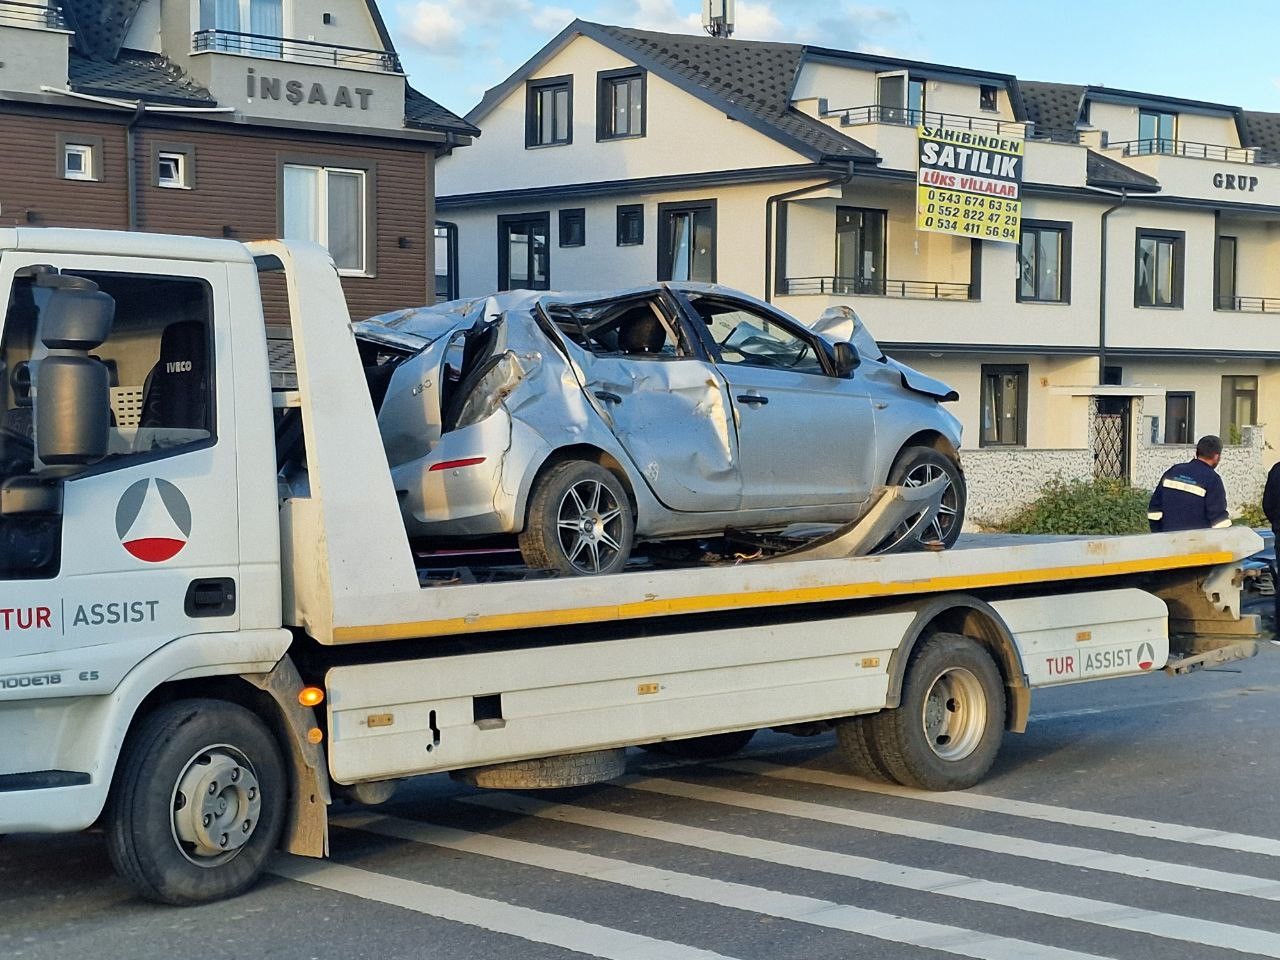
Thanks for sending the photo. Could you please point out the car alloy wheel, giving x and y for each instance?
(937, 529)
(590, 525)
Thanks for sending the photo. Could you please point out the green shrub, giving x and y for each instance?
(1251, 515)
(1078, 507)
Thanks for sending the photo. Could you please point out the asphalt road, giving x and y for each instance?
(1135, 819)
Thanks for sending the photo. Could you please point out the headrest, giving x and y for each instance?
(182, 348)
(640, 331)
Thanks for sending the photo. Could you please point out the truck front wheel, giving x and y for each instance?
(198, 803)
(946, 731)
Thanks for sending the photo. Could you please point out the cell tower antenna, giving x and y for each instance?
(718, 17)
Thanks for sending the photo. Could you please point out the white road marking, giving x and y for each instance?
(1176, 873)
(1061, 906)
(1132, 826)
(771, 903)
(493, 915)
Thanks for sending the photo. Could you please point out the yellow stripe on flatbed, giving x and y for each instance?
(711, 603)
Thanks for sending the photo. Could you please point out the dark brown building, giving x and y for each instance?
(213, 117)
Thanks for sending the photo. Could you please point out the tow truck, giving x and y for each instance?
(213, 623)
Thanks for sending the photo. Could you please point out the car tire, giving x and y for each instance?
(714, 746)
(946, 731)
(579, 523)
(919, 465)
(192, 775)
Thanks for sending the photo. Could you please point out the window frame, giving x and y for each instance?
(1190, 396)
(874, 285)
(689, 305)
(1062, 227)
(451, 260)
(1022, 371)
(1218, 277)
(1225, 427)
(567, 216)
(531, 128)
(505, 220)
(983, 90)
(663, 245)
(369, 196)
(88, 146)
(624, 211)
(186, 154)
(605, 79)
(1179, 240)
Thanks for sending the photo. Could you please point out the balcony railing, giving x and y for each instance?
(13, 13)
(301, 51)
(1021, 129)
(1189, 148)
(1248, 304)
(874, 287)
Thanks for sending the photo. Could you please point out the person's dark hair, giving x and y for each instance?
(1209, 446)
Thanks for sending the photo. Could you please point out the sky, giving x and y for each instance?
(1222, 52)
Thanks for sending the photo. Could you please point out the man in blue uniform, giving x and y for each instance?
(1190, 496)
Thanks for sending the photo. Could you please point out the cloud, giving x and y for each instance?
(434, 27)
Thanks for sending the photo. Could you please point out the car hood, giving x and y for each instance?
(842, 323)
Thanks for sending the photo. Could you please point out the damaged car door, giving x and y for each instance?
(805, 436)
(659, 395)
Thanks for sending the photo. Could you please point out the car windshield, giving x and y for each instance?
(750, 338)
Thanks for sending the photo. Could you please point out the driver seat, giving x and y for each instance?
(176, 393)
(641, 333)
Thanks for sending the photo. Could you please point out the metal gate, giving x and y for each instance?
(1111, 436)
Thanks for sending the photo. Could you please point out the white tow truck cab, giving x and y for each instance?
(211, 615)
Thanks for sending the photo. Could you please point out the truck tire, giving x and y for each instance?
(711, 747)
(579, 523)
(547, 773)
(198, 803)
(856, 743)
(918, 465)
(946, 731)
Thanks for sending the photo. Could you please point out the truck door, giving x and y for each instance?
(141, 547)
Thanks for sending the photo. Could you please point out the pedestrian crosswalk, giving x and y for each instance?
(828, 853)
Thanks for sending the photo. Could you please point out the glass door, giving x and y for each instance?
(860, 251)
(1157, 132)
(1225, 275)
(687, 241)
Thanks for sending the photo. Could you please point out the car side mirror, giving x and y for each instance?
(846, 358)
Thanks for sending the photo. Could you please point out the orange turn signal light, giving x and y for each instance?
(311, 696)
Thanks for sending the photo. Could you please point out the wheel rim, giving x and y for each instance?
(954, 714)
(943, 522)
(590, 525)
(216, 804)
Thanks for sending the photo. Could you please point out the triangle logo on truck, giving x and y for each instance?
(153, 520)
(1146, 656)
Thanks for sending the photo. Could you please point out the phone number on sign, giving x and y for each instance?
(974, 228)
(970, 201)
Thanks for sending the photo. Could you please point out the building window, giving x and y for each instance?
(1004, 406)
(1044, 262)
(573, 227)
(988, 97)
(549, 112)
(79, 157)
(860, 250)
(446, 256)
(1239, 406)
(173, 166)
(1112, 376)
(1158, 272)
(1224, 275)
(900, 99)
(630, 224)
(524, 254)
(620, 102)
(1179, 418)
(1157, 131)
(254, 27)
(328, 205)
(687, 241)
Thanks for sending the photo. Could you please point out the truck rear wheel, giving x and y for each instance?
(711, 747)
(946, 732)
(856, 743)
(579, 522)
(198, 804)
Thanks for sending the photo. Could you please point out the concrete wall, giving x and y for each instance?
(32, 57)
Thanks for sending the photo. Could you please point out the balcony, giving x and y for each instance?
(296, 51)
(38, 15)
(1248, 304)
(903, 117)
(1189, 148)
(873, 287)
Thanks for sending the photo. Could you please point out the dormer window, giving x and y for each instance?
(1157, 131)
(621, 101)
(988, 97)
(244, 26)
(549, 112)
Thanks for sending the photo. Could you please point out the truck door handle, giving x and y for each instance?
(608, 397)
(754, 399)
(214, 597)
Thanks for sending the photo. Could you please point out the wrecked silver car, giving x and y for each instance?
(587, 423)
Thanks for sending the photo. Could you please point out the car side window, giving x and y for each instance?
(752, 338)
(638, 329)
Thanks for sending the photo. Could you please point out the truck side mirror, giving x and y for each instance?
(846, 357)
(73, 390)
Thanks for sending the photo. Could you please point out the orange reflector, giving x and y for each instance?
(452, 464)
(311, 696)
(314, 735)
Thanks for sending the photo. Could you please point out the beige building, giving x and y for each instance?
(1132, 316)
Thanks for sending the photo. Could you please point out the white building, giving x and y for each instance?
(1132, 316)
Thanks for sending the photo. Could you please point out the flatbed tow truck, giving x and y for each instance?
(199, 656)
